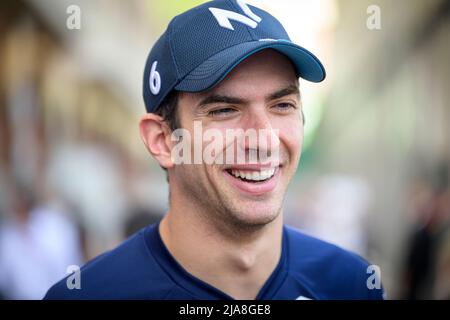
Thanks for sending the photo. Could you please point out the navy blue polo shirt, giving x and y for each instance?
(143, 268)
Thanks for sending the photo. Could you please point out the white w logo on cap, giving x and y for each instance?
(223, 16)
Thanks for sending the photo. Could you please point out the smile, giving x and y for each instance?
(253, 176)
(253, 181)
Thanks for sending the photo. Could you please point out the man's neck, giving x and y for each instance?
(238, 266)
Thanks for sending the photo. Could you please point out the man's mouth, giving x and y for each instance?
(253, 180)
(252, 176)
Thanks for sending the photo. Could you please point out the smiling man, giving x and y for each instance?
(231, 68)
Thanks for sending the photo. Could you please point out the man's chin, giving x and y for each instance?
(254, 217)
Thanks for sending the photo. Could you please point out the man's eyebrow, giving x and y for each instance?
(291, 89)
(217, 98)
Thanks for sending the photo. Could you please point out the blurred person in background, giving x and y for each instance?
(441, 283)
(427, 266)
(334, 209)
(38, 242)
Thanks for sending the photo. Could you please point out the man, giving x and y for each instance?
(227, 67)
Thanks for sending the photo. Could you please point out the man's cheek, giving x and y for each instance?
(293, 137)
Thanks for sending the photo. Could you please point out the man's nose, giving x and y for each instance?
(260, 124)
(256, 118)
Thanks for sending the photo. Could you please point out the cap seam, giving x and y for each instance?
(169, 39)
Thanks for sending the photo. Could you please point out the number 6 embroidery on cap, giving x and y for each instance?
(155, 79)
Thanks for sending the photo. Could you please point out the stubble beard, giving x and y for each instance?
(227, 216)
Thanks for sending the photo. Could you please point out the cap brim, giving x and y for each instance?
(216, 68)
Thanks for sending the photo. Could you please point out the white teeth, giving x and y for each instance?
(254, 175)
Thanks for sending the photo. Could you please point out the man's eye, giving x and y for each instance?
(221, 112)
(285, 107)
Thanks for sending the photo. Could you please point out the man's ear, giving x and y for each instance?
(155, 134)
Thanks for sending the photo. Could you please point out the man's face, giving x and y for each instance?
(260, 93)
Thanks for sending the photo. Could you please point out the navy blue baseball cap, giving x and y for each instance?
(202, 45)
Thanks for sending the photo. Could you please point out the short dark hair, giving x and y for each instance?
(168, 110)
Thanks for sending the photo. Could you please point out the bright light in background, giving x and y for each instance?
(310, 24)
(304, 20)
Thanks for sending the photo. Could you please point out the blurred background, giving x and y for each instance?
(75, 179)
